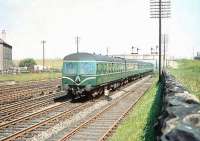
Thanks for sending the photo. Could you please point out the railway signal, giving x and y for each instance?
(160, 9)
(151, 50)
(137, 50)
(132, 49)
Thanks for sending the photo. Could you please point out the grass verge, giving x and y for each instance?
(188, 74)
(138, 125)
(30, 76)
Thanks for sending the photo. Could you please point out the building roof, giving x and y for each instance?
(5, 44)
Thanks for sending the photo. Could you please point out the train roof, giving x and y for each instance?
(82, 56)
(91, 57)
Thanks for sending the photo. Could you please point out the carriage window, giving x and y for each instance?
(104, 68)
(98, 69)
(70, 68)
(107, 68)
(110, 68)
(87, 68)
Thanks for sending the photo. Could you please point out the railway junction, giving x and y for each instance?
(92, 100)
(40, 118)
(146, 87)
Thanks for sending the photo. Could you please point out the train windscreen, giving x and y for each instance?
(87, 68)
(82, 68)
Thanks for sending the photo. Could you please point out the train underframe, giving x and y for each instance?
(75, 92)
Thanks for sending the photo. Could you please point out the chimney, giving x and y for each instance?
(3, 34)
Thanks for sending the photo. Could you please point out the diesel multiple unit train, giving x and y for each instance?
(89, 74)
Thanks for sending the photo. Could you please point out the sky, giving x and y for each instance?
(114, 24)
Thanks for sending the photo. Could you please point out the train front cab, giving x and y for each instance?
(78, 76)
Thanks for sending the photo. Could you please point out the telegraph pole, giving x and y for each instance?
(77, 43)
(164, 57)
(43, 42)
(165, 45)
(160, 9)
(107, 51)
(156, 57)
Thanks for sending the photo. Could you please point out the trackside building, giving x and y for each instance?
(5, 56)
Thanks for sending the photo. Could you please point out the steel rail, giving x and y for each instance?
(29, 129)
(121, 117)
(23, 110)
(24, 88)
(28, 87)
(26, 101)
(22, 85)
(20, 108)
(91, 120)
(30, 116)
(67, 136)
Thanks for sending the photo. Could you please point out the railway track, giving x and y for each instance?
(26, 101)
(25, 86)
(34, 123)
(21, 108)
(100, 123)
(25, 91)
(29, 84)
(25, 127)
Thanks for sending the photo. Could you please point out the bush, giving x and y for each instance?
(29, 63)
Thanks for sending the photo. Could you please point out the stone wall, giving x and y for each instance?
(180, 118)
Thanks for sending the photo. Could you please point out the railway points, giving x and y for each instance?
(60, 130)
(29, 111)
(127, 79)
(22, 126)
(33, 123)
(101, 125)
(27, 107)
